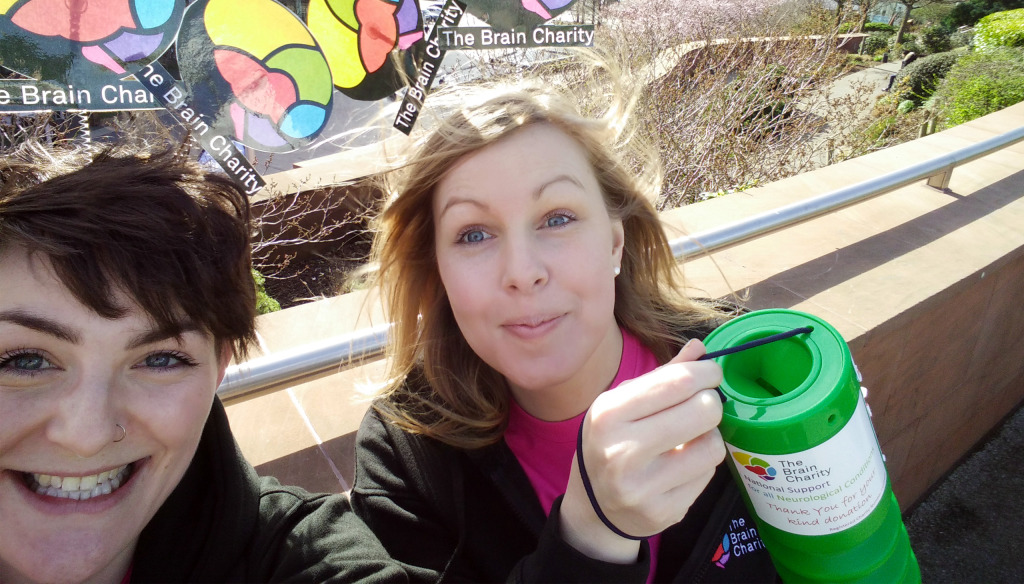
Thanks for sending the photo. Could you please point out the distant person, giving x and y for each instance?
(537, 307)
(125, 289)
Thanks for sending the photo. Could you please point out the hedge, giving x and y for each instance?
(875, 42)
(970, 12)
(878, 27)
(981, 83)
(1002, 29)
(918, 80)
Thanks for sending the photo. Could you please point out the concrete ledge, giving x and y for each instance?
(925, 285)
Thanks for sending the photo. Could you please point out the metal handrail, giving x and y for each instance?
(278, 370)
(938, 168)
(274, 371)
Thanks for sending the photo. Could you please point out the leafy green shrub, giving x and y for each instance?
(878, 27)
(881, 128)
(264, 303)
(961, 39)
(930, 14)
(970, 12)
(935, 39)
(875, 43)
(981, 83)
(906, 106)
(1001, 29)
(845, 27)
(919, 79)
(906, 48)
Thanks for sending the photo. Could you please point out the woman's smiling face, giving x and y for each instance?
(527, 254)
(73, 497)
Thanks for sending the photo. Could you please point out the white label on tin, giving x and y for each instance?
(824, 490)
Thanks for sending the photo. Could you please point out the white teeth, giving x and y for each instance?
(78, 488)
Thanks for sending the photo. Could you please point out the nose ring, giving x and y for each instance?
(123, 433)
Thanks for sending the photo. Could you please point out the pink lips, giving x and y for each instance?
(532, 327)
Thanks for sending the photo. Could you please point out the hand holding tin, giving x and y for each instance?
(648, 448)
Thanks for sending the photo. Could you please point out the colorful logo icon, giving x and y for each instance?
(254, 69)
(72, 41)
(509, 14)
(762, 468)
(722, 553)
(358, 38)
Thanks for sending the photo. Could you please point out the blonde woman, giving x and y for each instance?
(534, 293)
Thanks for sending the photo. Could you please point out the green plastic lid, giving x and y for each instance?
(788, 395)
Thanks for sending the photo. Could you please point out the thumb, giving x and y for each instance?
(691, 351)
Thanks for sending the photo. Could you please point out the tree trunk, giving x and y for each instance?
(865, 8)
(903, 23)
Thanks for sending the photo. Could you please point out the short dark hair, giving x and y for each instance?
(146, 222)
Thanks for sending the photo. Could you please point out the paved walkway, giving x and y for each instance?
(857, 90)
(969, 528)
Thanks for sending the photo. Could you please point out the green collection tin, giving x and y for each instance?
(804, 452)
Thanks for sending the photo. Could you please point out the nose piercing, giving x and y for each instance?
(123, 433)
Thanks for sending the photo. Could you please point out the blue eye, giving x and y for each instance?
(167, 360)
(473, 236)
(558, 219)
(24, 363)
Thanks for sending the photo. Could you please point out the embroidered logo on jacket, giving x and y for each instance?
(738, 540)
(722, 554)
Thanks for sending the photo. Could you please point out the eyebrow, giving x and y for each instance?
(536, 194)
(157, 335)
(55, 329)
(41, 324)
(560, 178)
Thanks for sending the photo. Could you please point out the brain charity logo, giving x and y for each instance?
(358, 36)
(256, 71)
(508, 14)
(67, 41)
(762, 468)
(722, 553)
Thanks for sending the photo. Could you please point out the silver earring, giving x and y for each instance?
(123, 433)
(617, 270)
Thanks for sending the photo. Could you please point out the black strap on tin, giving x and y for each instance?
(589, 488)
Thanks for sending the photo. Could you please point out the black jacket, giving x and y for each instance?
(456, 515)
(225, 524)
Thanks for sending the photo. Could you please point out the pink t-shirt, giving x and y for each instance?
(545, 449)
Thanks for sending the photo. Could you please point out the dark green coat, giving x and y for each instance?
(223, 523)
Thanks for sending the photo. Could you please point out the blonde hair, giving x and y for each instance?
(461, 400)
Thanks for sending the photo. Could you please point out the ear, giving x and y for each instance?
(618, 242)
